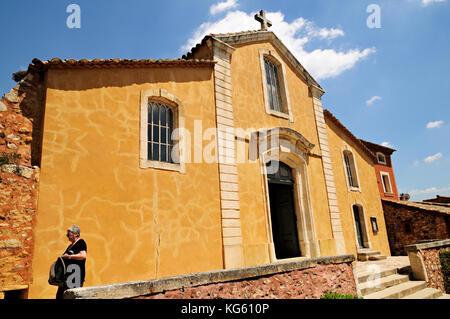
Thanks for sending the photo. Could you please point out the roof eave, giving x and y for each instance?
(57, 63)
(358, 142)
(379, 147)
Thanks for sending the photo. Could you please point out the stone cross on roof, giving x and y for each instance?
(261, 17)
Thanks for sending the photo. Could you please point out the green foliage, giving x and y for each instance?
(9, 158)
(444, 255)
(336, 295)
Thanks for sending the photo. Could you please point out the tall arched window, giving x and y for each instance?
(159, 132)
(273, 86)
(350, 169)
(161, 115)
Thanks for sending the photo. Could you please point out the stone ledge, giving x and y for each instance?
(433, 244)
(20, 170)
(10, 244)
(147, 287)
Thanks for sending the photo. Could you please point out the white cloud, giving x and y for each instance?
(429, 190)
(324, 64)
(222, 6)
(373, 99)
(234, 21)
(387, 144)
(435, 124)
(433, 158)
(321, 63)
(323, 33)
(426, 3)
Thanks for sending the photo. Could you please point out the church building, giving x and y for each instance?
(222, 159)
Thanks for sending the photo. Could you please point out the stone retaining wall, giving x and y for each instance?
(426, 264)
(304, 279)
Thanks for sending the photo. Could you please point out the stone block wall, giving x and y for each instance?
(20, 123)
(433, 268)
(303, 279)
(18, 202)
(299, 284)
(408, 225)
(426, 263)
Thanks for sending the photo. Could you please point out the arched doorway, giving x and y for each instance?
(362, 239)
(290, 149)
(282, 211)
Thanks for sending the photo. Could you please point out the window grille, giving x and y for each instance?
(160, 127)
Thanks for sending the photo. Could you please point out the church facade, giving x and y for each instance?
(222, 159)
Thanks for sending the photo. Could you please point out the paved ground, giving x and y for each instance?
(390, 262)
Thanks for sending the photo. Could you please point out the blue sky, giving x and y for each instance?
(387, 84)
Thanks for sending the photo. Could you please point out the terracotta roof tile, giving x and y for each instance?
(439, 200)
(423, 206)
(191, 52)
(218, 35)
(56, 63)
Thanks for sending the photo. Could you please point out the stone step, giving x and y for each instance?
(380, 283)
(427, 293)
(370, 275)
(398, 291)
(364, 255)
(377, 257)
(368, 252)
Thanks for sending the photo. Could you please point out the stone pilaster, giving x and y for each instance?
(328, 171)
(228, 173)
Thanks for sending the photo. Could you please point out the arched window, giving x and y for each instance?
(273, 86)
(159, 132)
(275, 89)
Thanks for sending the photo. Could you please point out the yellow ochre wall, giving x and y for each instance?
(138, 224)
(249, 113)
(142, 224)
(368, 197)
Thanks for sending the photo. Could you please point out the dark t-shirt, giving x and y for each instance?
(74, 249)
